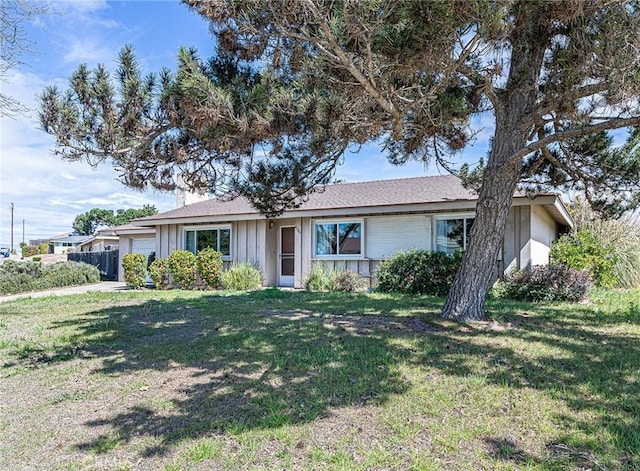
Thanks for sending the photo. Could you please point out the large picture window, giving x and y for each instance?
(338, 239)
(218, 238)
(452, 234)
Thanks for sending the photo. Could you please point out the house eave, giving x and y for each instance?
(551, 203)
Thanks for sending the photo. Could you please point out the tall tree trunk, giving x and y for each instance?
(514, 108)
(466, 298)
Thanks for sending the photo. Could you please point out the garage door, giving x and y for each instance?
(143, 246)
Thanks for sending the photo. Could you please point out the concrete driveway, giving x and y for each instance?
(102, 286)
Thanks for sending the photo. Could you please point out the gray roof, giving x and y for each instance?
(340, 196)
(378, 196)
(73, 239)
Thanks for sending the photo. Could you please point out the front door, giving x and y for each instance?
(287, 256)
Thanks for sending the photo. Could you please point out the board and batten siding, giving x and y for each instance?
(386, 235)
(383, 237)
(544, 230)
(248, 242)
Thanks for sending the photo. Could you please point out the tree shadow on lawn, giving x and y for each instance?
(239, 363)
(270, 359)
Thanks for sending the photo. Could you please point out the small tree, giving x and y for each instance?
(182, 266)
(135, 270)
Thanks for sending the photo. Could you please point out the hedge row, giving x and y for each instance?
(20, 277)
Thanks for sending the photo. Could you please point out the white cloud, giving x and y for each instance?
(79, 6)
(87, 50)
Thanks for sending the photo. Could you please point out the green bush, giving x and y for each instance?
(317, 279)
(418, 272)
(19, 277)
(242, 277)
(620, 236)
(61, 274)
(545, 283)
(14, 267)
(43, 248)
(182, 266)
(135, 269)
(209, 266)
(583, 250)
(159, 273)
(29, 250)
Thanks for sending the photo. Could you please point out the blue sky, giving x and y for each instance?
(47, 192)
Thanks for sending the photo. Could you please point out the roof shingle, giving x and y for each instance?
(401, 191)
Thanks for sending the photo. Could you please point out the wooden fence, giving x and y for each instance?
(106, 262)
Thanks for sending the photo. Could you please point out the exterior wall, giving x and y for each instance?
(544, 230)
(516, 249)
(168, 239)
(528, 236)
(248, 240)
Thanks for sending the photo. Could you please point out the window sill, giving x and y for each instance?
(338, 257)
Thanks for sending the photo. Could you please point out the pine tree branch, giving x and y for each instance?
(615, 123)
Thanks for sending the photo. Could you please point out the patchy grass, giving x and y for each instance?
(277, 379)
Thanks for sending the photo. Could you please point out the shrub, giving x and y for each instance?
(583, 250)
(242, 277)
(159, 273)
(43, 248)
(346, 281)
(545, 283)
(29, 250)
(182, 266)
(61, 274)
(14, 267)
(209, 266)
(620, 236)
(317, 279)
(18, 277)
(135, 269)
(418, 272)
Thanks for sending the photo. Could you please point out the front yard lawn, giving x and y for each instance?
(296, 380)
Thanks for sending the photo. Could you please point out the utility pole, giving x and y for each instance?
(23, 231)
(11, 227)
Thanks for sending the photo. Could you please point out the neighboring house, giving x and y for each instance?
(102, 240)
(354, 226)
(68, 243)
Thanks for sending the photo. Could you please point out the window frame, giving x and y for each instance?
(336, 256)
(216, 227)
(448, 217)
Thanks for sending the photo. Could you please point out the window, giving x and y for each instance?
(218, 238)
(338, 238)
(453, 234)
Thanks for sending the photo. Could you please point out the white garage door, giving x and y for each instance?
(143, 246)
